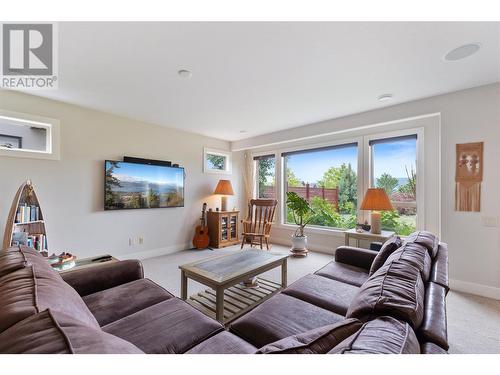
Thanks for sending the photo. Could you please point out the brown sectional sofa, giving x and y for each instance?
(107, 309)
(392, 301)
(406, 294)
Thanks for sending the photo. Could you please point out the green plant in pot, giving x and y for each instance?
(302, 214)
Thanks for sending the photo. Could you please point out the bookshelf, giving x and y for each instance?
(25, 222)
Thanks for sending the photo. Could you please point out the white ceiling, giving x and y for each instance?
(264, 77)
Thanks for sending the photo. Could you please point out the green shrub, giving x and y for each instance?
(392, 221)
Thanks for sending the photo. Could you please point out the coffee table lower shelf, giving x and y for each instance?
(237, 299)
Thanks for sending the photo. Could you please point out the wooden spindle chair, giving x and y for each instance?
(257, 226)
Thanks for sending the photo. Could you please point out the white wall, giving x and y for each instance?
(466, 116)
(71, 190)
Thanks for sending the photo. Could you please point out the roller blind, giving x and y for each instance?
(263, 157)
(392, 139)
(318, 149)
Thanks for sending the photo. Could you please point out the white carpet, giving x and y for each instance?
(473, 322)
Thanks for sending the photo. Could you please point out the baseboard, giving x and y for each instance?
(155, 252)
(477, 289)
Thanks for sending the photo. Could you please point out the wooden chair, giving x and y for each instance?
(257, 226)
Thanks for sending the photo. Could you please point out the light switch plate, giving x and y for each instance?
(489, 221)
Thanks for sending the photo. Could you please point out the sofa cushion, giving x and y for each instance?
(171, 326)
(439, 270)
(426, 239)
(115, 303)
(431, 348)
(25, 292)
(321, 291)
(433, 326)
(416, 255)
(12, 259)
(279, 317)
(383, 335)
(388, 247)
(344, 272)
(89, 280)
(396, 289)
(316, 341)
(16, 257)
(223, 343)
(51, 332)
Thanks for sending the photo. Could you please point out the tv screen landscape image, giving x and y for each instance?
(131, 185)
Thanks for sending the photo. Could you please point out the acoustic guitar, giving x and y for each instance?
(201, 239)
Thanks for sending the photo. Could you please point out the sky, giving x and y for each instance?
(151, 173)
(393, 157)
(310, 167)
(388, 158)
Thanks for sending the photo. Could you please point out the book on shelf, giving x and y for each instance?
(37, 242)
(27, 213)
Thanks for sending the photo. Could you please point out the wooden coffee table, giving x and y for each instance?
(228, 299)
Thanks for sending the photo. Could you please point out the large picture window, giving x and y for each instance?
(394, 169)
(265, 168)
(332, 179)
(327, 178)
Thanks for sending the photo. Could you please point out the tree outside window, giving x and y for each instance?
(216, 161)
(327, 179)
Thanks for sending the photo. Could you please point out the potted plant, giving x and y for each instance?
(302, 214)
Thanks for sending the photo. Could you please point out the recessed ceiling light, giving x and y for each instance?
(184, 73)
(462, 52)
(384, 97)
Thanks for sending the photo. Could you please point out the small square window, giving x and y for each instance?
(23, 135)
(216, 161)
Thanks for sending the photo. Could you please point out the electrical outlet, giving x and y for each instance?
(140, 240)
(489, 221)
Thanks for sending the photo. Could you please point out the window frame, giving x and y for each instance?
(312, 149)
(363, 174)
(368, 166)
(280, 164)
(52, 146)
(213, 151)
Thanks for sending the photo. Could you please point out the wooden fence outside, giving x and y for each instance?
(307, 192)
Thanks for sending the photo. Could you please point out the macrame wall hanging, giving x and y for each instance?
(468, 177)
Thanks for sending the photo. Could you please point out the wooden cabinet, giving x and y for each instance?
(223, 228)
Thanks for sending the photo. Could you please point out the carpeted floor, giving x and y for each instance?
(473, 321)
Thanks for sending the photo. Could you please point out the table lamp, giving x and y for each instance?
(224, 189)
(376, 200)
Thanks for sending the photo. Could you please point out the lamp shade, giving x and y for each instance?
(224, 188)
(376, 200)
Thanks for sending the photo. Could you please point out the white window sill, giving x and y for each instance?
(313, 230)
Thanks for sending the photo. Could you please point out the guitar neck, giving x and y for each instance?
(203, 215)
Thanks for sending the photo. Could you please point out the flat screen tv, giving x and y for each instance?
(132, 185)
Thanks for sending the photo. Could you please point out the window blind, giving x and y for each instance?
(392, 139)
(318, 149)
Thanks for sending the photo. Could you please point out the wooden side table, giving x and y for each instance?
(367, 236)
